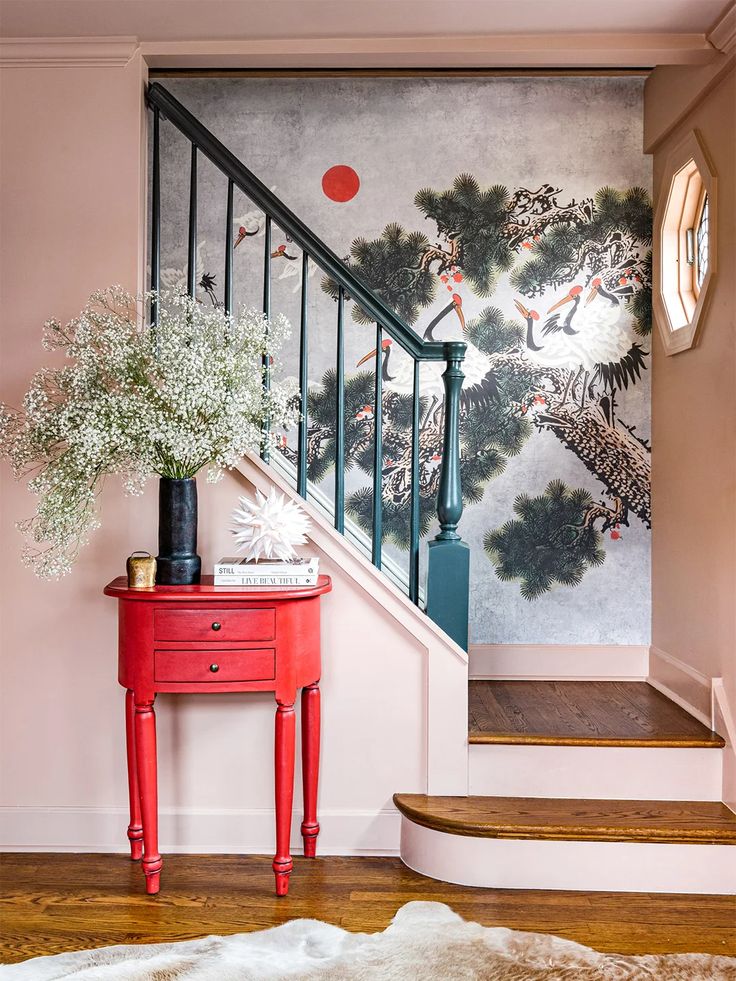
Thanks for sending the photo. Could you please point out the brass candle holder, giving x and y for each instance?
(141, 569)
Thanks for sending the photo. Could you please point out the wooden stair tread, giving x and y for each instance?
(680, 822)
(581, 713)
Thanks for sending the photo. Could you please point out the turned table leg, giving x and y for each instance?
(145, 744)
(284, 765)
(310, 766)
(135, 828)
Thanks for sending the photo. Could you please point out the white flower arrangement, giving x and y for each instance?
(137, 402)
(269, 527)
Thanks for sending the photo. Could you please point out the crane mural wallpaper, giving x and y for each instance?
(514, 214)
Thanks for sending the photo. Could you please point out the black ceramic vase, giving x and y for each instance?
(177, 562)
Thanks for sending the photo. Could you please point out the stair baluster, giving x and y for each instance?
(377, 524)
(192, 250)
(229, 250)
(265, 453)
(155, 217)
(414, 517)
(301, 460)
(340, 415)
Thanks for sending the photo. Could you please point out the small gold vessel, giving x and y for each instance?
(141, 567)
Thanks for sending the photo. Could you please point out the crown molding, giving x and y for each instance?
(723, 33)
(477, 51)
(67, 52)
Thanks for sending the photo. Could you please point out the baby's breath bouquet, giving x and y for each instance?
(135, 402)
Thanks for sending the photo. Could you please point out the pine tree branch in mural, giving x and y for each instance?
(552, 540)
(392, 266)
(473, 222)
(640, 304)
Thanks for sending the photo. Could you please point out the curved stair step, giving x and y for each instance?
(684, 822)
(593, 845)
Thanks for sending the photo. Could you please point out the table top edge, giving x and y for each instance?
(206, 591)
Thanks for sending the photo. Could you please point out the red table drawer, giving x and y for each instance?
(211, 666)
(221, 626)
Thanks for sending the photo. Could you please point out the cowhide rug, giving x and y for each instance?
(425, 942)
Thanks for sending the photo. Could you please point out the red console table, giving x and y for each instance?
(208, 638)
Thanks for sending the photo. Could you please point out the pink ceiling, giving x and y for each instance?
(211, 19)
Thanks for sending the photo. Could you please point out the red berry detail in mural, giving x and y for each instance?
(458, 277)
(622, 281)
(526, 245)
(444, 278)
(615, 535)
(450, 289)
(340, 183)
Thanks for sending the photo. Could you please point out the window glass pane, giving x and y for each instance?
(702, 244)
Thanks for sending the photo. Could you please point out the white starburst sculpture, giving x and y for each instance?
(269, 527)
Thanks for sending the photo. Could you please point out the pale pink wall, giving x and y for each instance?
(72, 181)
(694, 420)
(70, 168)
(673, 91)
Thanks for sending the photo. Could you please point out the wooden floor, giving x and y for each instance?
(52, 903)
(561, 819)
(574, 713)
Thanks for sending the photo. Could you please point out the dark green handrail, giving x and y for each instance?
(448, 568)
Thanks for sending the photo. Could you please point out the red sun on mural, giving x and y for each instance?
(340, 183)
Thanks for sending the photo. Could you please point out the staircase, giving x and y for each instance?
(579, 785)
(556, 785)
(448, 563)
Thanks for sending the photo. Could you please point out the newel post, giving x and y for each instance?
(448, 561)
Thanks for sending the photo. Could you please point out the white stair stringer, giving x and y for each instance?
(440, 707)
(595, 772)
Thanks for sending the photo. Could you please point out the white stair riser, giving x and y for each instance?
(598, 866)
(595, 772)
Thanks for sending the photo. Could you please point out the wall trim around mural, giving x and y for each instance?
(572, 662)
(682, 683)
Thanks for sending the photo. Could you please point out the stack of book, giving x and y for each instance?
(233, 571)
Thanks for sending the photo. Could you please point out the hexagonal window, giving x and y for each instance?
(684, 231)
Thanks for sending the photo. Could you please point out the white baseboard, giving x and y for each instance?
(687, 687)
(596, 772)
(609, 866)
(569, 662)
(193, 831)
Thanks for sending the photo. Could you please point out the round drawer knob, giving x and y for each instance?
(214, 668)
(216, 626)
